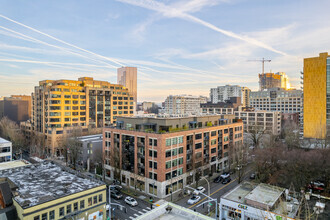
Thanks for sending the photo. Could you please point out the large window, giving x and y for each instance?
(198, 146)
(61, 211)
(82, 204)
(68, 209)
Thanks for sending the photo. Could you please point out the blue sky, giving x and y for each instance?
(179, 47)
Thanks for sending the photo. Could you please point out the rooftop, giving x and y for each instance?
(3, 141)
(265, 197)
(43, 182)
(177, 213)
(13, 164)
(95, 137)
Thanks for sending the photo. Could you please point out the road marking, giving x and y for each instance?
(213, 193)
(131, 217)
(136, 215)
(134, 210)
(148, 208)
(140, 212)
(144, 210)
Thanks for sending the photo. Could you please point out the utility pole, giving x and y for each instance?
(263, 60)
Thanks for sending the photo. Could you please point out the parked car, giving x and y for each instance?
(316, 186)
(218, 179)
(131, 201)
(116, 195)
(225, 175)
(226, 180)
(252, 176)
(193, 199)
(199, 189)
(116, 188)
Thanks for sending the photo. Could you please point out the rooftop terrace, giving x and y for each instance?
(43, 182)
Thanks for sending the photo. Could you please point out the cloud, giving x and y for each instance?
(172, 12)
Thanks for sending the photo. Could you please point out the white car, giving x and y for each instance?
(225, 175)
(130, 201)
(199, 189)
(193, 200)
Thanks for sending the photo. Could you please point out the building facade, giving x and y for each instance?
(160, 156)
(127, 76)
(281, 100)
(60, 105)
(273, 80)
(5, 150)
(317, 96)
(269, 121)
(183, 104)
(223, 93)
(17, 108)
(246, 96)
(90, 152)
(48, 191)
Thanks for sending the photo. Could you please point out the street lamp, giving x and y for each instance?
(208, 186)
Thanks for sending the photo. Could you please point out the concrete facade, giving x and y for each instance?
(17, 108)
(127, 76)
(223, 93)
(183, 104)
(5, 150)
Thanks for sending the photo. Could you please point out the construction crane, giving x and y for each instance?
(263, 63)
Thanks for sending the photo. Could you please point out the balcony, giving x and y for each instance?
(140, 155)
(189, 151)
(141, 165)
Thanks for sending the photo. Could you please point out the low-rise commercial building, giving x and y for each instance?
(269, 121)
(160, 156)
(47, 191)
(5, 150)
(251, 201)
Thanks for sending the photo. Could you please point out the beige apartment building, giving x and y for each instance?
(127, 76)
(60, 105)
(160, 156)
(184, 104)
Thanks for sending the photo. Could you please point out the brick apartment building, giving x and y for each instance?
(160, 155)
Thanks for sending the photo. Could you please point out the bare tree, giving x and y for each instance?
(11, 131)
(98, 159)
(37, 146)
(255, 134)
(72, 146)
(238, 159)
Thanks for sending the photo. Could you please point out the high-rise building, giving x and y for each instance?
(273, 80)
(317, 96)
(60, 105)
(223, 93)
(17, 108)
(162, 155)
(184, 104)
(127, 76)
(246, 96)
(278, 99)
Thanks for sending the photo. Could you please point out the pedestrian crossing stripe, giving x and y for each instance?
(136, 215)
(149, 208)
(140, 212)
(131, 217)
(144, 210)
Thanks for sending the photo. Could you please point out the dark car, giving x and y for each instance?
(317, 186)
(218, 179)
(252, 176)
(116, 195)
(225, 181)
(115, 188)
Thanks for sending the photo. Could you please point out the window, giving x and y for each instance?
(44, 216)
(180, 171)
(95, 199)
(168, 141)
(174, 162)
(180, 150)
(174, 141)
(198, 136)
(62, 211)
(198, 146)
(68, 209)
(82, 204)
(168, 153)
(214, 141)
(90, 201)
(213, 150)
(168, 164)
(180, 140)
(100, 198)
(168, 176)
(36, 217)
(180, 160)
(174, 152)
(52, 215)
(213, 133)
(75, 206)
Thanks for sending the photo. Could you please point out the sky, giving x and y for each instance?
(178, 46)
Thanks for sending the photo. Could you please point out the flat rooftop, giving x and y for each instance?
(43, 182)
(177, 213)
(265, 194)
(3, 141)
(238, 194)
(13, 164)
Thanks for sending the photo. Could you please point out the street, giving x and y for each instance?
(216, 191)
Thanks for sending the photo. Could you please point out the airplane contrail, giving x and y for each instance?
(168, 11)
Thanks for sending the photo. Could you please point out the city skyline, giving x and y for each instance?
(179, 47)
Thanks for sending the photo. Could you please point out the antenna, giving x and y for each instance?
(263, 63)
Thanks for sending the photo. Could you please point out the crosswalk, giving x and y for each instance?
(139, 212)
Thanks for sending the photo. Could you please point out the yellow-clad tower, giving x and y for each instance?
(316, 96)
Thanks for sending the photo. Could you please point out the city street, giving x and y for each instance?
(217, 190)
